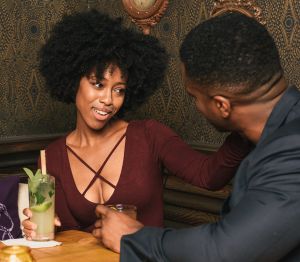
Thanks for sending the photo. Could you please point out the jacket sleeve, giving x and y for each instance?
(212, 171)
(263, 224)
(258, 230)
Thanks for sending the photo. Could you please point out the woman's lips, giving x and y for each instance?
(102, 113)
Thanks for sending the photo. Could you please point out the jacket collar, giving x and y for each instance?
(280, 112)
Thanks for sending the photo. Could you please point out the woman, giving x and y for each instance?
(107, 70)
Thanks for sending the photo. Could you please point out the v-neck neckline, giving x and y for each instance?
(71, 178)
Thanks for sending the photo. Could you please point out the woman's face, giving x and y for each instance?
(98, 100)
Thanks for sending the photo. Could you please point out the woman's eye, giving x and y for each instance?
(119, 90)
(98, 85)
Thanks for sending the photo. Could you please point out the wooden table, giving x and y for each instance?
(76, 246)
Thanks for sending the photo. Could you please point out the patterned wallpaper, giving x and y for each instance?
(26, 109)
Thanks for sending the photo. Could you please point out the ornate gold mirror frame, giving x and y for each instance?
(246, 7)
(145, 13)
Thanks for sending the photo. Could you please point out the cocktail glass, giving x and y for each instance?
(129, 210)
(41, 203)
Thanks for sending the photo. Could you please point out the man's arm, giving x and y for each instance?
(263, 226)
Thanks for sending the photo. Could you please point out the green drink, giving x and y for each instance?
(41, 202)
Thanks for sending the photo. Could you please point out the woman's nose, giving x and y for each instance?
(106, 96)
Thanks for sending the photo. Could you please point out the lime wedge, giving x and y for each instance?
(41, 207)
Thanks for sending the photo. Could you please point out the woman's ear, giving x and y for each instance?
(223, 105)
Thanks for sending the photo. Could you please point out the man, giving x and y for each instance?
(231, 68)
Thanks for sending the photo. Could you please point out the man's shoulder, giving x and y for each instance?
(281, 150)
(290, 129)
(284, 144)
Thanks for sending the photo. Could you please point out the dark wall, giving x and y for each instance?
(27, 110)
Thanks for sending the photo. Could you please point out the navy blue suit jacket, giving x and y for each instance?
(260, 220)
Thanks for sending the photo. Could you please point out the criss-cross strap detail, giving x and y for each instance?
(97, 173)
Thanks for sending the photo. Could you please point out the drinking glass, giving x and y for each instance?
(129, 210)
(41, 203)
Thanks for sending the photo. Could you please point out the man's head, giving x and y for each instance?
(230, 57)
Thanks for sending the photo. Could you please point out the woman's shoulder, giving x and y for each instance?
(146, 124)
(149, 127)
(57, 145)
(55, 155)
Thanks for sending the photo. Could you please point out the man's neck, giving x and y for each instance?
(250, 119)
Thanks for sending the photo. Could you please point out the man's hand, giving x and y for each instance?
(112, 225)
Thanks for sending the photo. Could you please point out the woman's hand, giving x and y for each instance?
(112, 225)
(30, 227)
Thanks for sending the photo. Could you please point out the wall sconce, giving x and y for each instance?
(145, 13)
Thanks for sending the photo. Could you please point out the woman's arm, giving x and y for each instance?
(212, 171)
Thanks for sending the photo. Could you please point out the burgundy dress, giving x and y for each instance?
(149, 146)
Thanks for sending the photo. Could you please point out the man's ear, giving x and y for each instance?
(223, 105)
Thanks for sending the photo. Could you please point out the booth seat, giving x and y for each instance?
(186, 205)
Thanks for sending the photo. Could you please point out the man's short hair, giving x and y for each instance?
(231, 51)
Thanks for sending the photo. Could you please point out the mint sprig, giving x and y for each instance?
(36, 197)
(34, 179)
(38, 174)
(39, 198)
(29, 173)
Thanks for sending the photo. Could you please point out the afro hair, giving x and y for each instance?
(90, 40)
(231, 51)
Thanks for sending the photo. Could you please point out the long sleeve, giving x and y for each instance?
(212, 171)
(262, 225)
